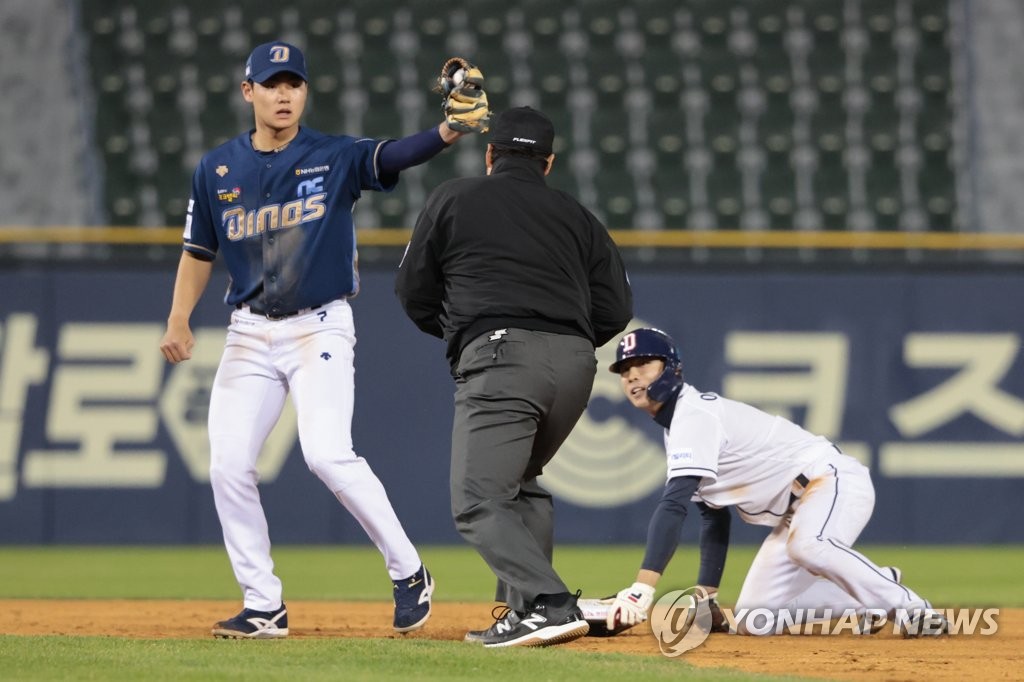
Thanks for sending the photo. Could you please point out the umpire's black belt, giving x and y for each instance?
(273, 315)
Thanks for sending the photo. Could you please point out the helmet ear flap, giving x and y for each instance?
(668, 382)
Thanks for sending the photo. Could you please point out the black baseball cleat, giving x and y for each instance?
(475, 636)
(552, 619)
(412, 600)
(253, 624)
(498, 613)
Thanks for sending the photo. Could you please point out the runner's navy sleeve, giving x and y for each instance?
(714, 543)
(397, 155)
(667, 522)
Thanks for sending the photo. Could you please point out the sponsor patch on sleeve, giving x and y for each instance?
(681, 457)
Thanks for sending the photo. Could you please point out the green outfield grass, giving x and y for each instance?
(949, 576)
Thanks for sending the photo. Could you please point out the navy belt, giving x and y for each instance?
(270, 315)
(800, 481)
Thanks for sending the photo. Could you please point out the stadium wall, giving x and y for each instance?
(916, 373)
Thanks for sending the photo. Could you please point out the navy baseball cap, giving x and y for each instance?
(523, 128)
(270, 59)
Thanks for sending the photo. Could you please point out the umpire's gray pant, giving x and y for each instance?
(518, 395)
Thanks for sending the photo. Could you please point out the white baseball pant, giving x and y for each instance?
(808, 560)
(311, 357)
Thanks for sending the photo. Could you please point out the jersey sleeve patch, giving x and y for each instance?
(680, 458)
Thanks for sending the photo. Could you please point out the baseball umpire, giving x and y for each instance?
(723, 453)
(521, 281)
(277, 202)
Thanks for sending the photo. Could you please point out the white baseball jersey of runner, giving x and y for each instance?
(744, 457)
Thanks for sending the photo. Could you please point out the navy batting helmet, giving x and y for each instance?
(648, 342)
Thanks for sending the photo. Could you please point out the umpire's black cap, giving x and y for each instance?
(523, 128)
(270, 59)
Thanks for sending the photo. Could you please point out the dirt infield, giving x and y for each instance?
(877, 657)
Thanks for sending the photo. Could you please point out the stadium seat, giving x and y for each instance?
(656, 19)
(217, 117)
(883, 184)
(666, 135)
(164, 119)
(431, 21)
(616, 199)
(831, 193)
(391, 207)
(121, 189)
(562, 122)
(879, 16)
(550, 74)
(493, 60)
(607, 77)
(773, 69)
(879, 67)
(602, 22)
(543, 20)
(881, 131)
(828, 127)
(322, 59)
(611, 138)
(776, 124)
(597, 67)
(672, 192)
(934, 134)
(319, 20)
(488, 19)
(173, 186)
(441, 168)
(711, 19)
(663, 77)
(937, 186)
(932, 69)
(725, 192)
(777, 195)
(560, 178)
(827, 66)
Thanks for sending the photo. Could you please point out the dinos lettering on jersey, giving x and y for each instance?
(241, 224)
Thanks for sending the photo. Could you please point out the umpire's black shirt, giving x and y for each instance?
(506, 250)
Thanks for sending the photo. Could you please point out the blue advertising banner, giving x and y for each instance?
(916, 374)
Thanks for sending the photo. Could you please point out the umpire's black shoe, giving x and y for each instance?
(252, 624)
(552, 619)
(498, 613)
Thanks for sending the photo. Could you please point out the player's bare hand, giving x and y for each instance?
(631, 605)
(177, 343)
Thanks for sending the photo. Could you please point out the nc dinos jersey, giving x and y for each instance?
(283, 220)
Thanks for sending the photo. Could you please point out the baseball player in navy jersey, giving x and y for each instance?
(277, 202)
(723, 453)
